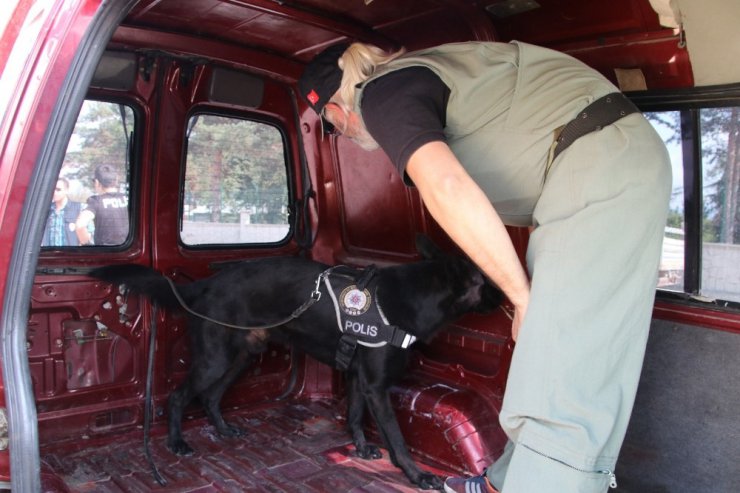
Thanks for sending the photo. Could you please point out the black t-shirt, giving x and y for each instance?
(111, 218)
(404, 110)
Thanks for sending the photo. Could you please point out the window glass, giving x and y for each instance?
(716, 205)
(236, 184)
(671, 275)
(89, 205)
(720, 144)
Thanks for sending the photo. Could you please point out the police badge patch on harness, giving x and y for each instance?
(354, 301)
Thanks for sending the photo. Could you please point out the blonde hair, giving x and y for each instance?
(358, 63)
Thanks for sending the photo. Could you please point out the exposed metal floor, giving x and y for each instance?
(295, 447)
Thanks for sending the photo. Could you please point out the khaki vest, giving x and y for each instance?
(506, 100)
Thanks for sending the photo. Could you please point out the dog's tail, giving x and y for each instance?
(141, 280)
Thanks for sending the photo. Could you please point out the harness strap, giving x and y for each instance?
(367, 275)
(399, 337)
(345, 351)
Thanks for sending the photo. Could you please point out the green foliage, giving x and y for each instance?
(719, 137)
(236, 165)
(719, 130)
(99, 137)
(675, 219)
(233, 165)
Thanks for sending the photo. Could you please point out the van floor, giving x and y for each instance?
(294, 447)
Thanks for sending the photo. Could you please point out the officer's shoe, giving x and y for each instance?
(476, 484)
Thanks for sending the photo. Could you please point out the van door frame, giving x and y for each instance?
(82, 28)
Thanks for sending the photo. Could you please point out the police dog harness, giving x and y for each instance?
(360, 318)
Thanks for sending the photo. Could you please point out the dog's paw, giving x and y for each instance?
(231, 431)
(429, 481)
(180, 447)
(368, 452)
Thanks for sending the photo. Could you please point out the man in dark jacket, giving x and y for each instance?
(61, 229)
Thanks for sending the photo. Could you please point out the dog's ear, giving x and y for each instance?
(427, 248)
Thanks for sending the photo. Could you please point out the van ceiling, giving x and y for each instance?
(299, 28)
(617, 31)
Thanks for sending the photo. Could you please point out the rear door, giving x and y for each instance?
(48, 55)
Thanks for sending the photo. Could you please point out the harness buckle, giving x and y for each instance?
(316, 293)
(345, 351)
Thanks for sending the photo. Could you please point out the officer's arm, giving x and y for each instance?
(462, 209)
(83, 220)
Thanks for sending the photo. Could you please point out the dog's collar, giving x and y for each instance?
(360, 317)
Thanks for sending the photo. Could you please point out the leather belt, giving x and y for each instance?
(597, 115)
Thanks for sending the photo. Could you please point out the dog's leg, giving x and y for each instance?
(211, 397)
(355, 416)
(202, 375)
(379, 404)
(178, 400)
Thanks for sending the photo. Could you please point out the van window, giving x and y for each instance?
(671, 271)
(701, 248)
(236, 184)
(89, 205)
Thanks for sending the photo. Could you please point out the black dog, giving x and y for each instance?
(418, 298)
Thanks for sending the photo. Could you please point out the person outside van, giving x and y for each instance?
(107, 210)
(61, 228)
(494, 134)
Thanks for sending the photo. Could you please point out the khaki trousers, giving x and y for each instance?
(593, 259)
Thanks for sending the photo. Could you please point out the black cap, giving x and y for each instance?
(322, 77)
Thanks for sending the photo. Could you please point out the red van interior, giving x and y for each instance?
(174, 72)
